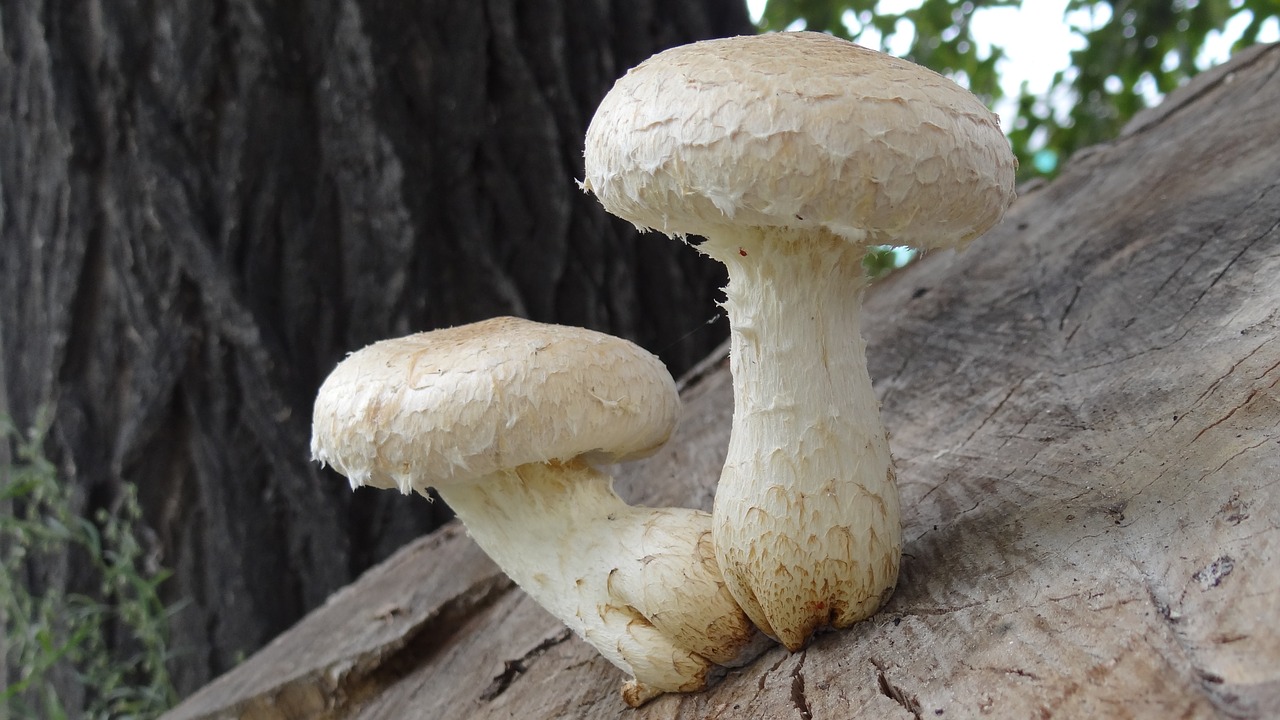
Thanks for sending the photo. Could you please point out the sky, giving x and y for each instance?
(1038, 41)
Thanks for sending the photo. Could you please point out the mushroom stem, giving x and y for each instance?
(807, 523)
(639, 584)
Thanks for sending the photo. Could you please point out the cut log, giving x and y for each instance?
(1085, 413)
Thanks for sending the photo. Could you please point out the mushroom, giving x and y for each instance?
(507, 418)
(792, 153)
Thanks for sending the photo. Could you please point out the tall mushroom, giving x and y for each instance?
(792, 153)
(505, 418)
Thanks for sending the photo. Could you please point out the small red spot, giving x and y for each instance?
(742, 252)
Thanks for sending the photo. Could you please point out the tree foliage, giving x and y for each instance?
(1133, 47)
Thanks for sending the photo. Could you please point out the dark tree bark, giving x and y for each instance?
(204, 205)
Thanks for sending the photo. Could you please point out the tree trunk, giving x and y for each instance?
(1084, 408)
(205, 205)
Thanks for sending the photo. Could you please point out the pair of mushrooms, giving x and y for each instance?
(790, 154)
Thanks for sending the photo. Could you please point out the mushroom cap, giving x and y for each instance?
(798, 130)
(453, 404)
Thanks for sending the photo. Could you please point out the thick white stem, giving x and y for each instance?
(639, 584)
(806, 522)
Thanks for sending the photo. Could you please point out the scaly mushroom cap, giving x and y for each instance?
(798, 130)
(448, 405)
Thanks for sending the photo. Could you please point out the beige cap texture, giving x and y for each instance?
(798, 130)
(448, 405)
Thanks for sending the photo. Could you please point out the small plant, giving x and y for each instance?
(109, 643)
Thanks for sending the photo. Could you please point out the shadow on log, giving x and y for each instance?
(1085, 412)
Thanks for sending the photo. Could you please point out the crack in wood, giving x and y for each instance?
(896, 693)
(1224, 418)
(765, 677)
(512, 669)
(1016, 387)
(1249, 244)
(1230, 371)
(1020, 673)
(1244, 451)
(420, 643)
(1062, 320)
(943, 610)
(798, 698)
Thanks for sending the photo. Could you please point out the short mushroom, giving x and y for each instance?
(792, 153)
(505, 418)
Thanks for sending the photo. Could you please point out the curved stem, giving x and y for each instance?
(639, 584)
